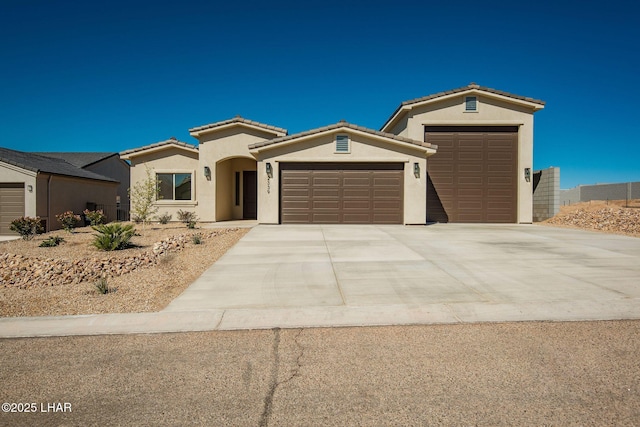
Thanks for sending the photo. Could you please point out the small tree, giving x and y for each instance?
(143, 196)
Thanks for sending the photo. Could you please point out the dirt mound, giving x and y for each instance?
(606, 216)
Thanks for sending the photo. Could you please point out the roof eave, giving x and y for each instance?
(425, 147)
(203, 130)
(129, 154)
(409, 105)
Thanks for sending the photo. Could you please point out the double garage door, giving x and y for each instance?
(473, 175)
(11, 205)
(341, 193)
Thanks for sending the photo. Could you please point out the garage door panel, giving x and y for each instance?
(474, 156)
(473, 175)
(471, 144)
(470, 168)
(356, 193)
(344, 193)
(324, 192)
(499, 169)
(392, 181)
(440, 168)
(297, 192)
(11, 205)
(499, 156)
(297, 204)
(318, 181)
(499, 144)
(500, 181)
(499, 207)
(356, 204)
(470, 204)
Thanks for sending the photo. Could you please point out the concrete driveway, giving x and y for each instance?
(351, 274)
(360, 275)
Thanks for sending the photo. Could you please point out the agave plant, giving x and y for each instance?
(113, 237)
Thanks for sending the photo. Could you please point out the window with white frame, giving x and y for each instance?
(174, 186)
(470, 103)
(342, 144)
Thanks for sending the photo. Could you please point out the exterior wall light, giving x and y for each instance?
(30, 188)
(207, 172)
(269, 170)
(527, 174)
(416, 170)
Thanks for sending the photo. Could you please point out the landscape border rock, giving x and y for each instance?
(26, 272)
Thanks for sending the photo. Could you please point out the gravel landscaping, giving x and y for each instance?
(163, 261)
(606, 216)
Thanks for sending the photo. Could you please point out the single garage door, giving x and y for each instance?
(473, 176)
(341, 193)
(11, 205)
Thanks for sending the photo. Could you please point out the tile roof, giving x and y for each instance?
(170, 141)
(241, 120)
(341, 125)
(39, 163)
(472, 86)
(79, 159)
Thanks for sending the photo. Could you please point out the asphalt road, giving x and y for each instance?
(575, 373)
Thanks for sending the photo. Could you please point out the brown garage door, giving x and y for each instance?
(11, 205)
(352, 193)
(473, 176)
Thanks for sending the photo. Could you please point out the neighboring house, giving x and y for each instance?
(464, 155)
(108, 164)
(37, 185)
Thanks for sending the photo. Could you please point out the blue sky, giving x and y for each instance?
(108, 76)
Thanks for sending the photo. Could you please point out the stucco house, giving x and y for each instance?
(463, 155)
(47, 184)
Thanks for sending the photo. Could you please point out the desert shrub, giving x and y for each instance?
(164, 218)
(189, 218)
(69, 220)
(26, 226)
(51, 242)
(113, 237)
(102, 286)
(95, 217)
(196, 239)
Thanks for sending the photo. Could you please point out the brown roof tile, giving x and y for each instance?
(239, 119)
(472, 86)
(170, 141)
(340, 125)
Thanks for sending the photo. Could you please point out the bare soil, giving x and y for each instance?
(610, 216)
(149, 287)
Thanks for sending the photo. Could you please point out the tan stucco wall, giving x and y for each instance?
(171, 160)
(215, 148)
(117, 169)
(491, 111)
(13, 174)
(321, 148)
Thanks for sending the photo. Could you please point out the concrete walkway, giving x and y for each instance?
(306, 276)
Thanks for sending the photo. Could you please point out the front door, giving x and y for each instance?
(249, 195)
